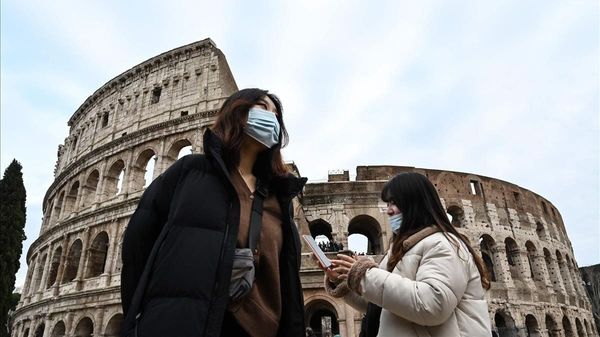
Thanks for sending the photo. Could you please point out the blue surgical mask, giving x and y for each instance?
(396, 222)
(263, 126)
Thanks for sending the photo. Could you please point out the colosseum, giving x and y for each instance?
(140, 122)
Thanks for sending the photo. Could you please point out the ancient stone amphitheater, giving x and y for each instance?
(141, 121)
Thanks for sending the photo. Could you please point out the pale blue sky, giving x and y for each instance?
(503, 89)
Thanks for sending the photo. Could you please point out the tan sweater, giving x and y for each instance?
(259, 313)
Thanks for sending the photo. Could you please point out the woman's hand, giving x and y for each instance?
(342, 265)
(332, 275)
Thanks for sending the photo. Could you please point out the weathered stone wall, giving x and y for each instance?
(591, 280)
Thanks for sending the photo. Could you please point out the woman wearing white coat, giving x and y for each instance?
(430, 283)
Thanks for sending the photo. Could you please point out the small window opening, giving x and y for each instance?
(475, 187)
(105, 119)
(155, 95)
(124, 134)
(74, 142)
(184, 113)
(517, 196)
(544, 208)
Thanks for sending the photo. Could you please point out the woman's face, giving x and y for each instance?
(266, 103)
(392, 209)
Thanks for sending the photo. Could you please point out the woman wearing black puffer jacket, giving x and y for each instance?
(179, 245)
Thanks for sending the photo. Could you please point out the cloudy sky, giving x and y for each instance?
(506, 89)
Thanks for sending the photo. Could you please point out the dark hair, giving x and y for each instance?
(230, 124)
(416, 197)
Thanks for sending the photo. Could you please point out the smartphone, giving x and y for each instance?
(326, 262)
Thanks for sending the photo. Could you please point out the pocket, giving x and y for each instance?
(242, 274)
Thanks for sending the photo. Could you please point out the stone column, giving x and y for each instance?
(31, 327)
(540, 261)
(46, 270)
(100, 187)
(502, 268)
(525, 269)
(99, 322)
(158, 165)
(568, 284)
(80, 195)
(27, 285)
(83, 259)
(47, 327)
(112, 248)
(31, 283)
(62, 264)
(557, 281)
(125, 188)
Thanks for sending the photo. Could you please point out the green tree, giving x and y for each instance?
(12, 234)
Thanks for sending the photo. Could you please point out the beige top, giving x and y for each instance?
(259, 313)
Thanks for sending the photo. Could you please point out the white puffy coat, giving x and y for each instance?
(433, 291)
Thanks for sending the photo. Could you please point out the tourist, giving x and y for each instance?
(187, 265)
(430, 283)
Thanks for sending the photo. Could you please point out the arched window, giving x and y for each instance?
(143, 170)
(114, 179)
(540, 231)
(564, 272)
(89, 189)
(580, 330)
(552, 272)
(179, 149)
(57, 212)
(322, 318)
(487, 246)
(113, 328)
(533, 329)
(71, 199)
(38, 273)
(505, 325)
(55, 263)
(514, 258)
(566, 323)
(97, 255)
(58, 330)
(537, 273)
(370, 228)
(457, 216)
(72, 262)
(85, 328)
(39, 332)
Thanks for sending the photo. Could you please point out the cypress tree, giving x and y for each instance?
(12, 234)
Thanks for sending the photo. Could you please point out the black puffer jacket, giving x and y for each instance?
(184, 292)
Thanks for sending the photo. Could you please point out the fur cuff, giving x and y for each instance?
(358, 271)
(339, 289)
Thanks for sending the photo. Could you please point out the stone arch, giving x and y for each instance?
(554, 274)
(487, 246)
(540, 231)
(369, 227)
(537, 272)
(57, 211)
(49, 211)
(588, 327)
(139, 172)
(505, 324)
(113, 328)
(30, 275)
(564, 272)
(54, 265)
(39, 273)
(322, 316)
(84, 328)
(89, 189)
(580, 329)
(71, 199)
(567, 328)
(320, 227)
(72, 261)
(457, 215)
(39, 332)
(574, 274)
(551, 326)
(97, 255)
(113, 179)
(175, 150)
(513, 257)
(59, 330)
(532, 327)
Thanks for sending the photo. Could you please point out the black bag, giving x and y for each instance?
(243, 270)
(370, 323)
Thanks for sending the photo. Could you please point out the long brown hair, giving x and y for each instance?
(416, 197)
(230, 124)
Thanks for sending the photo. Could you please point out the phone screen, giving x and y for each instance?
(318, 252)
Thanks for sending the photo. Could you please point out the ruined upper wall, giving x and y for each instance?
(183, 81)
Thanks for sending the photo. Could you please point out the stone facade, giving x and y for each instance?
(137, 124)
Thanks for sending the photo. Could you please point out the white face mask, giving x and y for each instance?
(263, 126)
(396, 222)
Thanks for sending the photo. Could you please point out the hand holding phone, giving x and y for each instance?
(312, 244)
